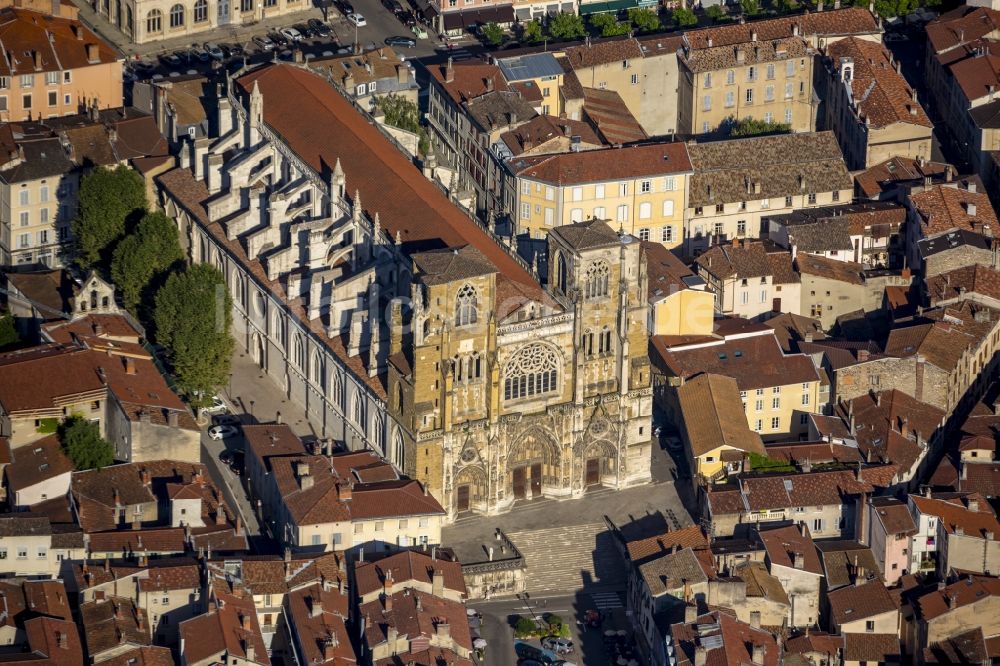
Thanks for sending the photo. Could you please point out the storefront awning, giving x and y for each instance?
(604, 7)
(464, 19)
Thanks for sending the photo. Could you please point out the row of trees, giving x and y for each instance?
(187, 309)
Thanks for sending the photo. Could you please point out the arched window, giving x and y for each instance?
(377, 435)
(597, 280)
(358, 410)
(399, 396)
(237, 287)
(534, 370)
(561, 273)
(201, 11)
(278, 332)
(467, 367)
(316, 369)
(298, 352)
(336, 390)
(154, 21)
(604, 342)
(128, 20)
(396, 455)
(465, 306)
(177, 16)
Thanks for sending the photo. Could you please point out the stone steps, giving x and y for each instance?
(565, 559)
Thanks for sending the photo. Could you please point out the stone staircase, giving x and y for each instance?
(565, 559)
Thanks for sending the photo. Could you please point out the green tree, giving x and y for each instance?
(9, 337)
(141, 259)
(750, 7)
(608, 25)
(525, 627)
(404, 114)
(715, 13)
(531, 32)
(492, 33)
(753, 127)
(82, 442)
(684, 17)
(566, 26)
(644, 20)
(193, 316)
(110, 200)
(787, 6)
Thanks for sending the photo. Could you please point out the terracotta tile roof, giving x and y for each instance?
(894, 516)
(858, 602)
(782, 165)
(471, 79)
(971, 516)
(499, 109)
(44, 377)
(760, 583)
(830, 269)
(980, 477)
(37, 462)
(112, 622)
(232, 630)
(961, 25)
(47, 597)
(790, 328)
(748, 259)
(404, 567)
(977, 279)
(835, 23)
(732, 641)
(878, 648)
(55, 41)
(725, 500)
(896, 170)
(274, 575)
(671, 572)
(272, 439)
(595, 166)
(943, 208)
(665, 273)
(686, 537)
(318, 617)
(415, 615)
(969, 647)
(965, 592)
(978, 77)
(53, 289)
(714, 58)
(953, 329)
(596, 53)
(432, 656)
(880, 419)
(125, 543)
(815, 641)
(545, 134)
(986, 116)
(754, 362)
(88, 576)
(162, 578)
(784, 544)
(142, 656)
(51, 642)
(608, 112)
(846, 561)
(372, 65)
(713, 415)
(883, 95)
(830, 425)
(816, 488)
(799, 453)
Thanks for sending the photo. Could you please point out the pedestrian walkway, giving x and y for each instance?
(606, 601)
(251, 392)
(559, 559)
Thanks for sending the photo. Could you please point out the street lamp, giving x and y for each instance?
(251, 411)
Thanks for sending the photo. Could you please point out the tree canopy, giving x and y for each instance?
(109, 201)
(684, 17)
(608, 25)
(644, 20)
(492, 33)
(753, 127)
(531, 32)
(566, 26)
(193, 316)
(9, 337)
(82, 442)
(141, 259)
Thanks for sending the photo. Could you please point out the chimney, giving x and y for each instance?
(344, 491)
(973, 505)
(36, 57)
(755, 619)
(315, 605)
(443, 630)
(449, 70)
(437, 587)
(78, 31)
(62, 640)
(129, 365)
(970, 209)
(330, 646)
(798, 561)
(690, 613)
(92, 53)
(952, 600)
(700, 655)
(863, 355)
(172, 415)
(488, 81)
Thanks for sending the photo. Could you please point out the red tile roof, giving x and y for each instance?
(111, 622)
(232, 630)
(470, 79)
(858, 602)
(894, 516)
(733, 645)
(961, 25)
(784, 544)
(945, 207)
(24, 32)
(686, 537)
(965, 592)
(977, 279)
(318, 617)
(404, 567)
(972, 516)
(37, 462)
(590, 166)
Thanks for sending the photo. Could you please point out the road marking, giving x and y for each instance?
(606, 600)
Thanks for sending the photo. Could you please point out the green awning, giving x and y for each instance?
(593, 8)
(611, 6)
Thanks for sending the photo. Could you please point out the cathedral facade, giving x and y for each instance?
(400, 324)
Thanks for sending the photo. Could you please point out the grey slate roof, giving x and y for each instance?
(498, 109)
(588, 235)
(529, 66)
(669, 573)
(952, 240)
(987, 116)
(450, 264)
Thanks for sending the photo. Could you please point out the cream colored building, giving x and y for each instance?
(738, 182)
(769, 81)
(749, 280)
(30, 548)
(680, 302)
(871, 108)
(639, 189)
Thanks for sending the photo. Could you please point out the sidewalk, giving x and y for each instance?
(251, 392)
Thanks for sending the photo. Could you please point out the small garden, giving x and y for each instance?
(549, 624)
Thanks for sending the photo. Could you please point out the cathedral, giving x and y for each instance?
(398, 322)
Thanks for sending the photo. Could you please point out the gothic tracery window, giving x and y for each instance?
(465, 306)
(532, 371)
(467, 367)
(597, 280)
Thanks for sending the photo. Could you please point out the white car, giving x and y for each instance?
(221, 431)
(357, 19)
(291, 34)
(217, 406)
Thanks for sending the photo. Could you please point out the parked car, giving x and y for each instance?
(291, 34)
(357, 19)
(235, 50)
(418, 31)
(227, 419)
(558, 645)
(214, 51)
(173, 59)
(278, 38)
(305, 30)
(222, 431)
(345, 7)
(233, 460)
(407, 18)
(217, 406)
(197, 55)
(400, 40)
(320, 28)
(263, 42)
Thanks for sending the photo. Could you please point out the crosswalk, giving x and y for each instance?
(605, 601)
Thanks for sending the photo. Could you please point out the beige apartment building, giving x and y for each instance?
(737, 182)
(639, 189)
(33, 549)
(765, 80)
(871, 108)
(55, 65)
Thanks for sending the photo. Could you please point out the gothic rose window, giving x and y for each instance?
(533, 371)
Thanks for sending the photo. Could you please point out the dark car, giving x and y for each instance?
(173, 59)
(233, 460)
(400, 40)
(407, 18)
(305, 30)
(321, 29)
(278, 38)
(345, 7)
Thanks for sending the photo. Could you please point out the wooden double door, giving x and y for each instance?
(528, 481)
